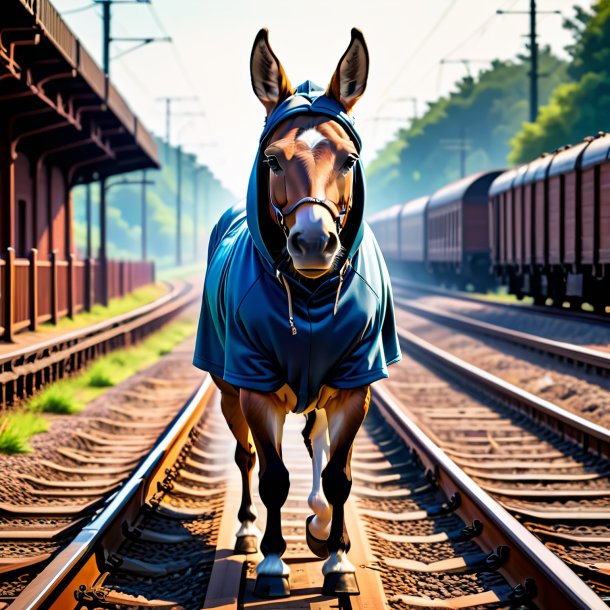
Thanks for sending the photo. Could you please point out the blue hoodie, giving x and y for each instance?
(244, 332)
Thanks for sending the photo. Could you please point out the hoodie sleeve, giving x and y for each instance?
(249, 364)
(389, 338)
(378, 345)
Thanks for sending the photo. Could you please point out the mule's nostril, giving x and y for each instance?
(331, 244)
(297, 243)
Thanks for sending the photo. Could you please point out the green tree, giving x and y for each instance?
(579, 108)
(482, 113)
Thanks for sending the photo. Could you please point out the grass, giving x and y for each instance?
(57, 398)
(116, 307)
(501, 294)
(72, 395)
(17, 428)
(99, 378)
(187, 271)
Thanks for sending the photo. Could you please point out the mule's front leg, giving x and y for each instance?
(265, 414)
(345, 413)
(245, 458)
(317, 527)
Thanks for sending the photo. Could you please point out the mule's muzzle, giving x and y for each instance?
(313, 252)
(320, 245)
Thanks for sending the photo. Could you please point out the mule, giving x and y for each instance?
(297, 313)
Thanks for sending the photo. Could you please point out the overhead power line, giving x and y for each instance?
(533, 44)
(80, 9)
(425, 40)
(465, 62)
(178, 58)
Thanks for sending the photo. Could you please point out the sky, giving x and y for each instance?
(209, 55)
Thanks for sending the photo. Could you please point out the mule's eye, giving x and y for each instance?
(349, 163)
(273, 163)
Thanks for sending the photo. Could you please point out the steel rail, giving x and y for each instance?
(529, 558)
(568, 351)
(582, 316)
(76, 564)
(588, 435)
(26, 369)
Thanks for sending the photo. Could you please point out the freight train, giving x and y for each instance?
(543, 229)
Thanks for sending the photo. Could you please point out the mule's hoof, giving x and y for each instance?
(318, 547)
(340, 583)
(271, 586)
(246, 545)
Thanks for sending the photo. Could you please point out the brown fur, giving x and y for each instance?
(306, 172)
(349, 80)
(269, 80)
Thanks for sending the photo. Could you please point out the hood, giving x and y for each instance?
(267, 236)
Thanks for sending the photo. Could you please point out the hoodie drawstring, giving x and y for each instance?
(341, 274)
(281, 278)
(287, 286)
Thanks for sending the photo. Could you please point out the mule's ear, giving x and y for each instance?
(269, 81)
(349, 80)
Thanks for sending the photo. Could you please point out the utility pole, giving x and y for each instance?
(144, 215)
(179, 206)
(102, 251)
(107, 38)
(462, 146)
(196, 172)
(105, 187)
(168, 100)
(179, 187)
(106, 42)
(88, 213)
(106, 17)
(533, 45)
(534, 64)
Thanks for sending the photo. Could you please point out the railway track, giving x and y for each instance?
(595, 359)
(545, 465)
(561, 312)
(80, 465)
(564, 361)
(424, 534)
(467, 494)
(25, 370)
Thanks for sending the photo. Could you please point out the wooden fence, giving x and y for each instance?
(47, 290)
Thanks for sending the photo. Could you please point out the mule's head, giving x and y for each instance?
(310, 157)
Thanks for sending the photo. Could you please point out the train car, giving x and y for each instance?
(413, 238)
(531, 279)
(457, 228)
(385, 226)
(518, 237)
(512, 206)
(413, 230)
(555, 244)
(499, 218)
(401, 233)
(545, 233)
(593, 238)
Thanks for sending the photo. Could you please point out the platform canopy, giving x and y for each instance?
(57, 104)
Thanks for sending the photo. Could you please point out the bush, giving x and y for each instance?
(99, 377)
(17, 428)
(58, 399)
